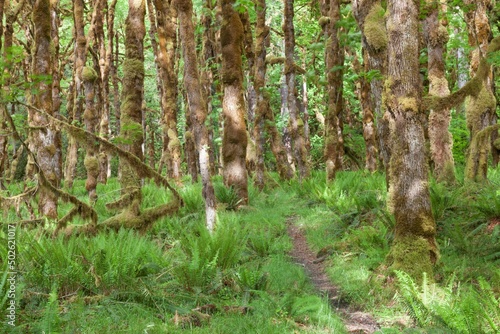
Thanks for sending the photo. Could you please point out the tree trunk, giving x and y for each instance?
(259, 79)
(131, 130)
(210, 75)
(369, 15)
(44, 140)
(107, 56)
(414, 249)
(479, 109)
(91, 120)
(167, 46)
(234, 142)
(197, 106)
(441, 140)
(3, 106)
(76, 112)
(334, 61)
(296, 123)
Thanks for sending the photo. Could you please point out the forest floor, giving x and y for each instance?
(301, 258)
(355, 320)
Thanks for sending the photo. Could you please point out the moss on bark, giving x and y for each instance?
(374, 27)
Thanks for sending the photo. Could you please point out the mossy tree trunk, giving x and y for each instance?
(210, 76)
(296, 123)
(414, 248)
(334, 61)
(3, 107)
(480, 110)
(44, 140)
(131, 133)
(441, 140)
(91, 121)
(259, 80)
(234, 142)
(197, 106)
(259, 77)
(370, 16)
(106, 54)
(80, 55)
(368, 106)
(250, 93)
(166, 23)
(264, 116)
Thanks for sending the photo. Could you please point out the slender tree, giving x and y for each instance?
(166, 59)
(441, 140)
(296, 123)
(264, 117)
(234, 142)
(131, 132)
(80, 54)
(370, 16)
(44, 140)
(197, 105)
(414, 248)
(334, 55)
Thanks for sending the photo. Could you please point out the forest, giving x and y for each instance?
(249, 166)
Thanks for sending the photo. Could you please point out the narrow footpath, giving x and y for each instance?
(354, 320)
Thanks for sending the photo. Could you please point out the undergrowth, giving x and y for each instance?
(178, 278)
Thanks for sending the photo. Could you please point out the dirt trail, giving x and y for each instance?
(354, 320)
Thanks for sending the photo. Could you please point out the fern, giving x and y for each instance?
(470, 311)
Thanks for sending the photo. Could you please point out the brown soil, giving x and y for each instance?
(355, 320)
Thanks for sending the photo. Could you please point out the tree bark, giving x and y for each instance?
(334, 61)
(296, 123)
(414, 248)
(480, 110)
(44, 140)
(91, 120)
(131, 130)
(369, 15)
(264, 117)
(106, 48)
(441, 140)
(234, 142)
(197, 106)
(167, 45)
(77, 104)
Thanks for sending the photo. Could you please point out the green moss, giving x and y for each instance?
(496, 143)
(51, 149)
(408, 104)
(91, 164)
(374, 28)
(300, 123)
(133, 68)
(476, 107)
(173, 143)
(324, 20)
(411, 255)
(89, 74)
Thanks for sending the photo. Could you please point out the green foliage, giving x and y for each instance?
(452, 308)
(227, 196)
(107, 260)
(458, 129)
(207, 255)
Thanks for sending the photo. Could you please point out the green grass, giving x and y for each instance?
(178, 278)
